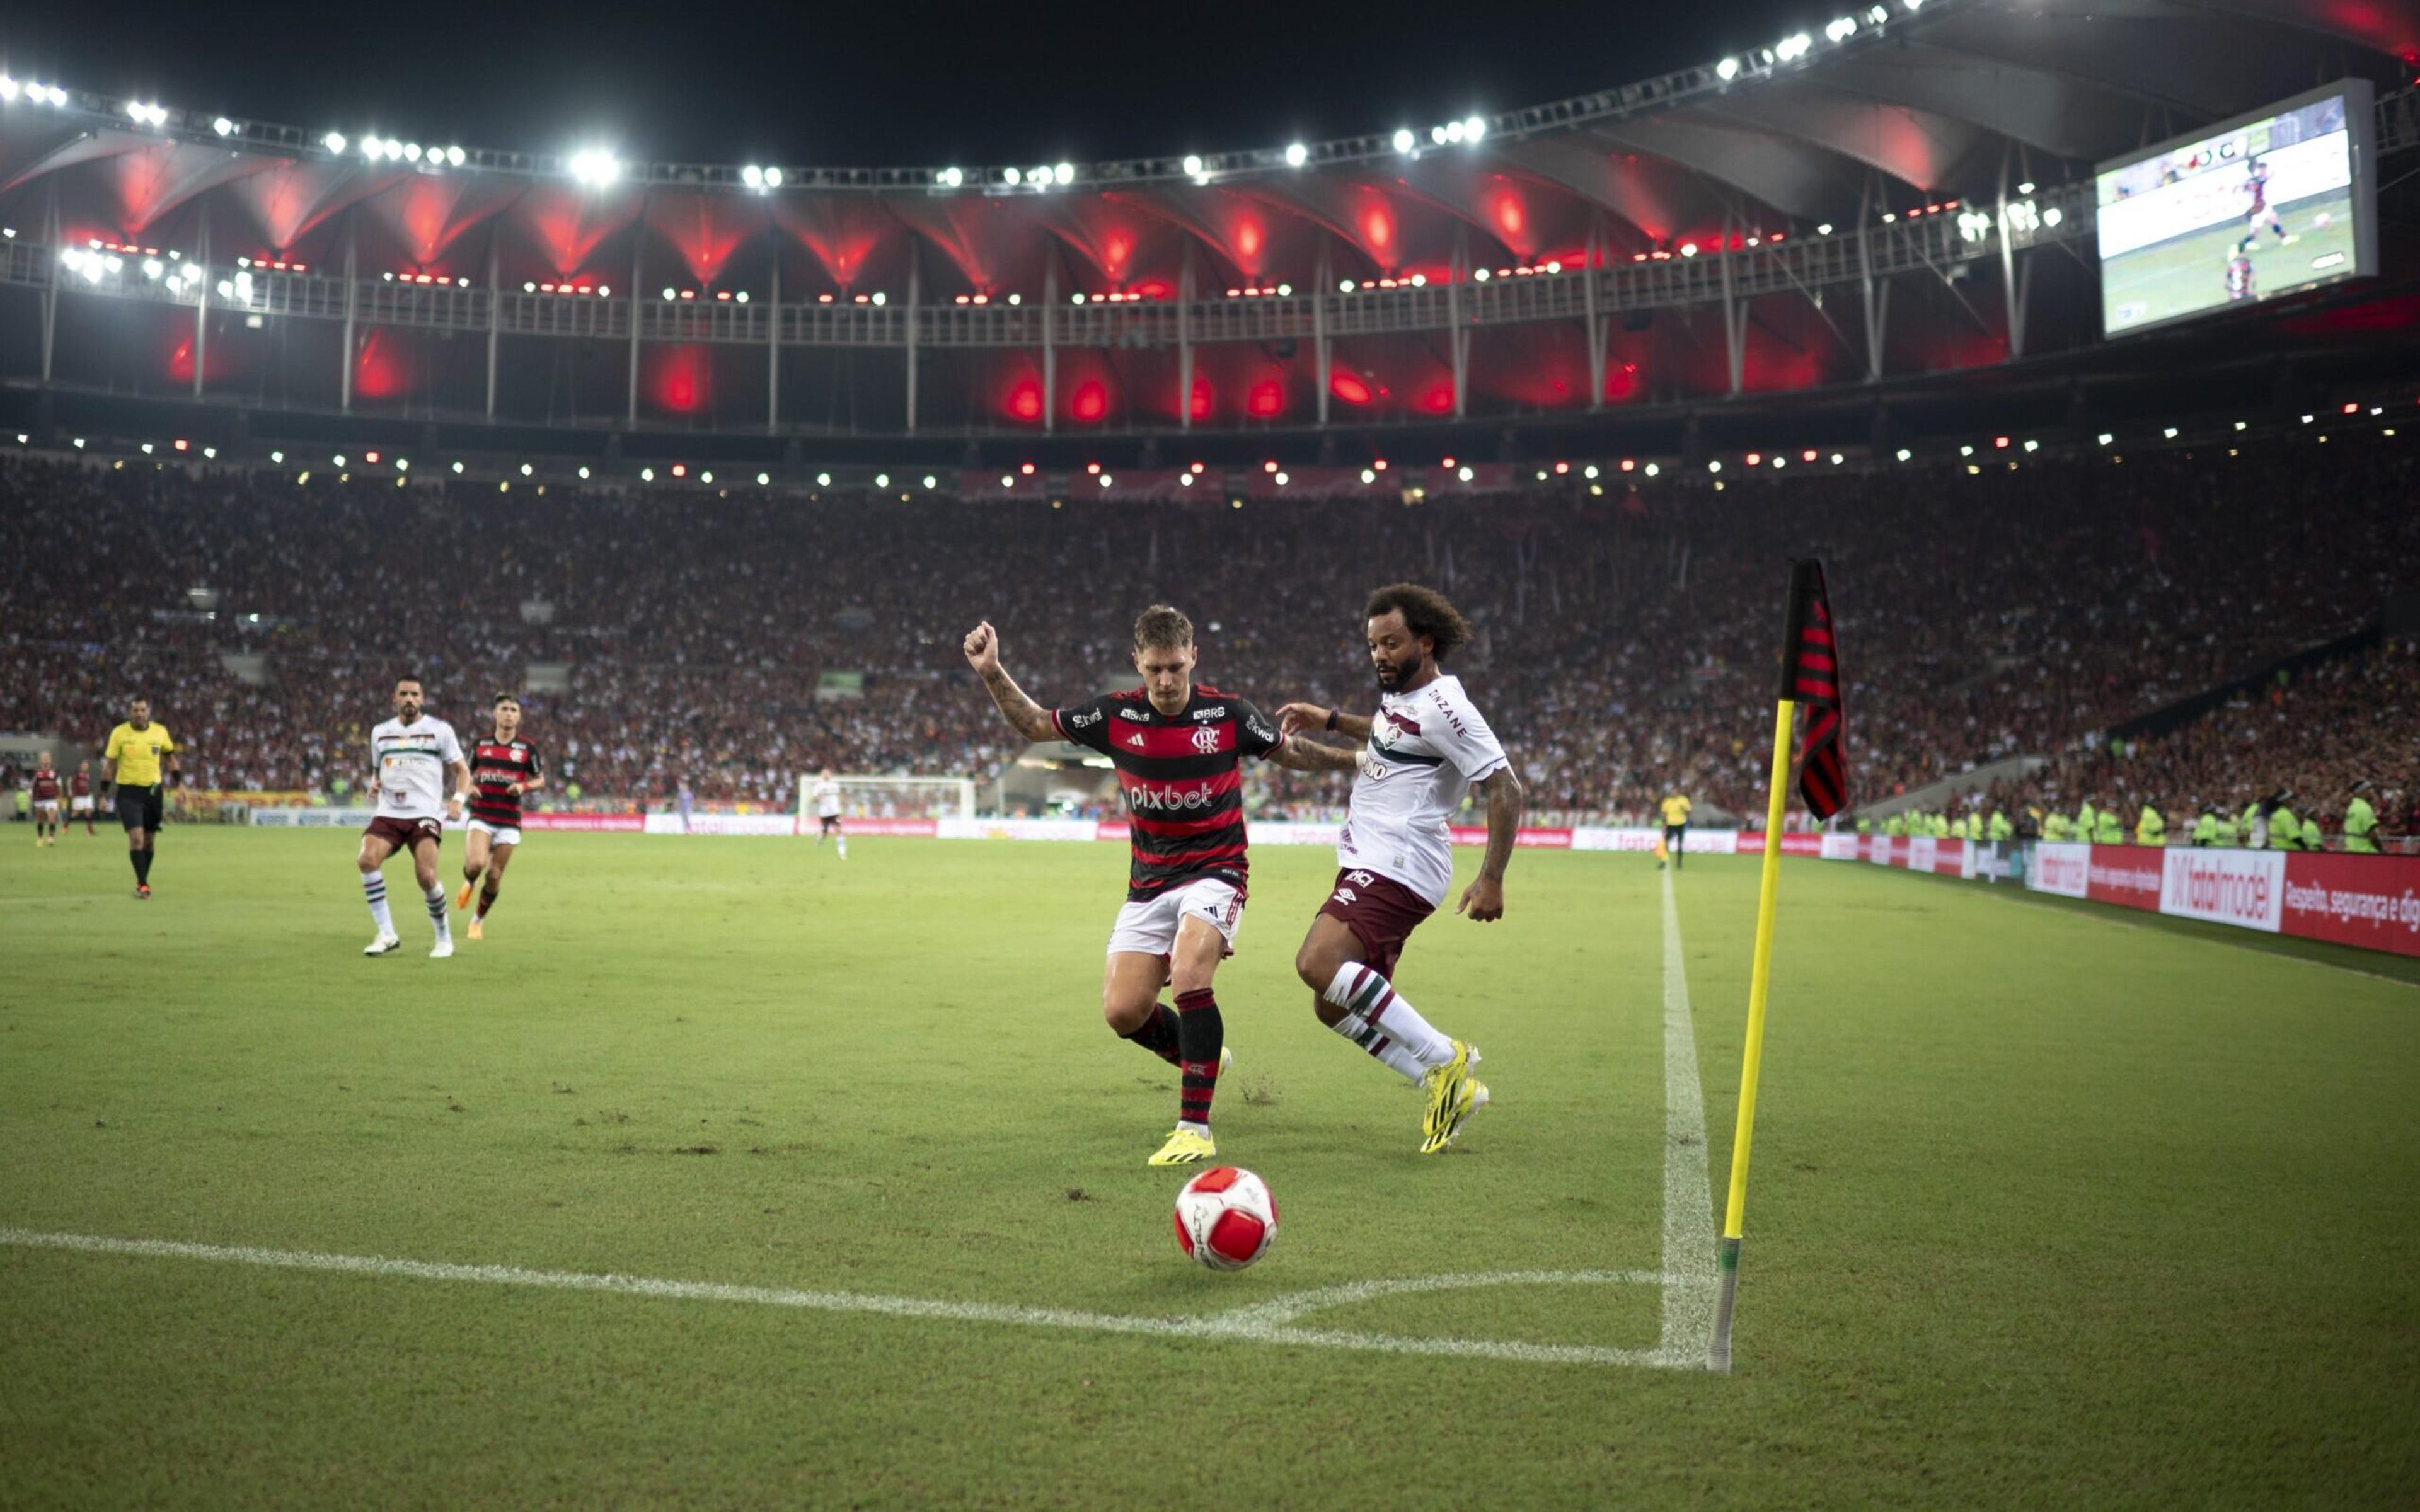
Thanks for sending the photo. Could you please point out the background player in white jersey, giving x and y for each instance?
(1426, 746)
(418, 772)
(828, 813)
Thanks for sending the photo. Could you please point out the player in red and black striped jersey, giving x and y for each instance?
(503, 770)
(46, 790)
(1179, 750)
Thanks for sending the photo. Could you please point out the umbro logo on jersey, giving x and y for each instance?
(1205, 739)
(1346, 895)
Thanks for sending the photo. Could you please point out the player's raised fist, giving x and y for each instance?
(1294, 718)
(982, 647)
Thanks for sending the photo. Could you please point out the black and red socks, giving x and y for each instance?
(1200, 1034)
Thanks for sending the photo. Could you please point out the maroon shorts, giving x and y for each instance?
(403, 834)
(1381, 915)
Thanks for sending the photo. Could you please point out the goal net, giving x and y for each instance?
(890, 797)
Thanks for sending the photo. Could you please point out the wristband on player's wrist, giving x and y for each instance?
(1332, 717)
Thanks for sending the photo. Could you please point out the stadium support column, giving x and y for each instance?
(1185, 339)
(638, 244)
(1319, 282)
(1049, 351)
(345, 379)
(915, 290)
(773, 346)
(202, 308)
(495, 309)
(51, 279)
(1877, 293)
(1458, 337)
(2009, 284)
(1595, 317)
(1734, 317)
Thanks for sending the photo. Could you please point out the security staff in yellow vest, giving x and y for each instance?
(1864, 824)
(2151, 828)
(1894, 826)
(2284, 830)
(2314, 839)
(2107, 828)
(2083, 820)
(2230, 831)
(2255, 828)
(2361, 822)
(2205, 830)
(2000, 829)
(2054, 826)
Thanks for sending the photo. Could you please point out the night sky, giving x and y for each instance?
(874, 83)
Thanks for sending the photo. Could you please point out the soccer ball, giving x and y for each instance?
(1225, 1218)
(2318, 221)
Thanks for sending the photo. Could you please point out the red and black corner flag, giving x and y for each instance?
(1810, 675)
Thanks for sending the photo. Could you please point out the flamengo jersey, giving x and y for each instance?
(1182, 777)
(46, 787)
(411, 762)
(78, 786)
(1426, 747)
(495, 766)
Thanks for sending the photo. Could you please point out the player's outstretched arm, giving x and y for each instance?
(1024, 716)
(1310, 756)
(1483, 900)
(1302, 718)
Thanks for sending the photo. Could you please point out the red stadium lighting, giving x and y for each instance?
(1024, 402)
(2352, 408)
(1563, 467)
(1349, 388)
(1269, 467)
(371, 457)
(681, 470)
(1379, 466)
(1026, 469)
(1755, 457)
(1808, 455)
(181, 446)
(2000, 442)
(1266, 399)
(1091, 402)
(1628, 465)
(1197, 467)
(1093, 467)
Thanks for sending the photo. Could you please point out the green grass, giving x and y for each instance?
(2047, 1211)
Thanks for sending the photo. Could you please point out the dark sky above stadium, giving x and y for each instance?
(878, 82)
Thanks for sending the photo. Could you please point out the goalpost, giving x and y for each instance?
(863, 796)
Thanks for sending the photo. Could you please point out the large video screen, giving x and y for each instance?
(2269, 203)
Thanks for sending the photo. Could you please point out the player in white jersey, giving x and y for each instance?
(1426, 746)
(418, 772)
(828, 813)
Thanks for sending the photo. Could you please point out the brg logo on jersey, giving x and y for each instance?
(1205, 739)
(1214, 711)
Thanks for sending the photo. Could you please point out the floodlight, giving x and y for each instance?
(1453, 130)
(763, 479)
(455, 156)
(1727, 70)
(772, 177)
(883, 480)
(753, 176)
(1065, 173)
(823, 480)
(1193, 164)
(1011, 176)
(223, 126)
(333, 142)
(1404, 140)
(1473, 129)
(1296, 155)
(953, 177)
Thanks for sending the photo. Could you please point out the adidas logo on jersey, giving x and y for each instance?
(1135, 739)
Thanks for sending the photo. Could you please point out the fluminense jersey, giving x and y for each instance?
(410, 761)
(1182, 777)
(495, 766)
(1426, 747)
(828, 800)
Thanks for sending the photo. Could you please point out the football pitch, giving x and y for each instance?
(2187, 274)
(724, 1173)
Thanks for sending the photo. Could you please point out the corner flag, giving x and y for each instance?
(1810, 675)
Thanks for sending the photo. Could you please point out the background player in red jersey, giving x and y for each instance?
(1179, 750)
(80, 796)
(46, 802)
(503, 770)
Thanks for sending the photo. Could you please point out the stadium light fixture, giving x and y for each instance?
(223, 126)
(455, 157)
(705, 477)
(2169, 431)
(1841, 28)
(1473, 129)
(584, 473)
(1463, 473)
(1904, 454)
(334, 143)
(2025, 187)
(411, 152)
(458, 469)
(1727, 70)
(1452, 132)
(1688, 249)
(1011, 176)
(9, 88)
(881, 298)
(2053, 216)
(1065, 173)
(1966, 451)
(772, 177)
(2104, 438)
(1193, 164)
(953, 177)
(883, 480)
(753, 176)
(1296, 154)
(1404, 140)
(1824, 229)
(823, 480)
(1436, 136)
(764, 479)
(595, 167)
(1651, 469)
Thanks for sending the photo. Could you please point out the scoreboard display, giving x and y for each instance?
(2269, 204)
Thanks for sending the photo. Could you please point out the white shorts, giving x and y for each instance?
(83, 805)
(46, 807)
(1149, 927)
(499, 834)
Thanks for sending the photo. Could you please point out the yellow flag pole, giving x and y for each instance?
(1719, 1354)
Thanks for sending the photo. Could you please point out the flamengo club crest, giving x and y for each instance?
(1205, 739)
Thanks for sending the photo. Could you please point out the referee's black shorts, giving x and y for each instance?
(1674, 835)
(140, 808)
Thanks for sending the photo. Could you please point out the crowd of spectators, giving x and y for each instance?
(1625, 638)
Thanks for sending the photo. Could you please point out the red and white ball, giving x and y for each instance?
(1226, 1218)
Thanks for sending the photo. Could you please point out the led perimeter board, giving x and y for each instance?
(2273, 203)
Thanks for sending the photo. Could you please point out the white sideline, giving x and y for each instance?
(1689, 1282)
(1261, 1323)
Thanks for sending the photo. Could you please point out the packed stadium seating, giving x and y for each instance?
(1623, 640)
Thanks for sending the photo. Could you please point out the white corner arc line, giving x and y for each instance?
(1242, 1326)
(1688, 1329)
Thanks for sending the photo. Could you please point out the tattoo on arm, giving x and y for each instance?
(1503, 821)
(1353, 726)
(1024, 716)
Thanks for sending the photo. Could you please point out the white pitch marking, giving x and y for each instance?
(1688, 1202)
(1246, 1325)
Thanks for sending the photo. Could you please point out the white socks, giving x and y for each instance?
(437, 911)
(1378, 1020)
(843, 847)
(374, 888)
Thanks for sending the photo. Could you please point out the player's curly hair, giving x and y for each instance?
(1160, 628)
(1425, 612)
